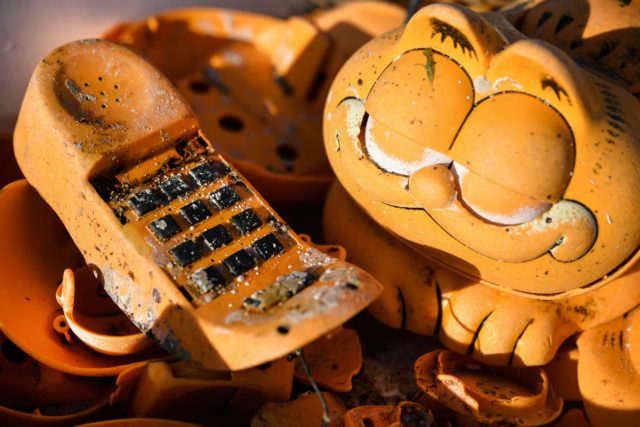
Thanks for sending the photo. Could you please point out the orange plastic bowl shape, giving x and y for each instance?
(499, 159)
(258, 83)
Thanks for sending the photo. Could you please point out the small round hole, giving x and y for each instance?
(104, 106)
(283, 329)
(117, 99)
(101, 93)
(199, 86)
(100, 78)
(231, 123)
(86, 84)
(287, 152)
(13, 353)
(116, 86)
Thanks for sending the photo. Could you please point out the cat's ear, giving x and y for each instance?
(544, 71)
(457, 32)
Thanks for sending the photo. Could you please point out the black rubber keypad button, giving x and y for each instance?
(146, 201)
(195, 212)
(207, 279)
(165, 227)
(224, 197)
(217, 237)
(240, 262)
(206, 173)
(246, 221)
(175, 187)
(268, 246)
(187, 253)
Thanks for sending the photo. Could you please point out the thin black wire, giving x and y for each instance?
(325, 408)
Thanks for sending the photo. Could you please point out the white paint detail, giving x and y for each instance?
(355, 114)
(481, 84)
(506, 79)
(522, 215)
(393, 164)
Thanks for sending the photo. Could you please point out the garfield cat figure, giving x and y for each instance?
(509, 171)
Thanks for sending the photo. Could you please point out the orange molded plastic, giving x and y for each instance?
(304, 411)
(258, 83)
(609, 371)
(183, 391)
(33, 394)
(496, 327)
(504, 162)
(104, 329)
(333, 360)
(404, 414)
(602, 35)
(36, 249)
(108, 141)
(517, 396)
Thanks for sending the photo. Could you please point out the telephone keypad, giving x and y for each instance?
(176, 187)
(164, 228)
(195, 212)
(246, 221)
(224, 197)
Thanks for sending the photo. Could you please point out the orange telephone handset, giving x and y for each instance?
(185, 246)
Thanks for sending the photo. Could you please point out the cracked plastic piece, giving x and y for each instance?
(516, 396)
(183, 391)
(333, 360)
(404, 414)
(503, 161)
(609, 372)
(258, 83)
(36, 250)
(131, 131)
(109, 333)
(305, 411)
(33, 394)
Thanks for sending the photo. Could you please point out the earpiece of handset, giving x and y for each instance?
(185, 246)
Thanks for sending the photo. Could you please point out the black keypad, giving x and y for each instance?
(195, 212)
(246, 221)
(165, 227)
(146, 201)
(206, 173)
(175, 187)
(207, 279)
(268, 246)
(240, 262)
(187, 253)
(217, 237)
(224, 197)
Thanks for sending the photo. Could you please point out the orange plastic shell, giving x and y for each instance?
(602, 35)
(33, 394)
(517, 396)
(404, 414)
(258, 83)
(496, 327)
(542, 154)
(107, 331)
(36, 249)
(107, 141)
(333, 360)
(183, 391)
(304, 411)
(609, 372)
